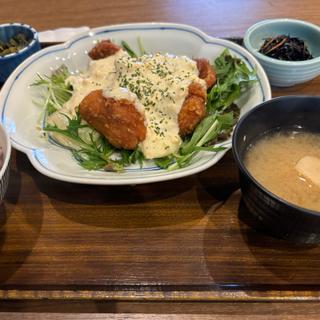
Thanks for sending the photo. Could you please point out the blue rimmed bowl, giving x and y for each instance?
(285, 73)
(10, 61)
(55, 161)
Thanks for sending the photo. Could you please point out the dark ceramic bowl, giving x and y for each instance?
(279, 217)
(9, 62)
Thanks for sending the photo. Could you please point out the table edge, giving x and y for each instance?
(154, 295)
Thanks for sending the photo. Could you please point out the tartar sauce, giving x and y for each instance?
(156, 84)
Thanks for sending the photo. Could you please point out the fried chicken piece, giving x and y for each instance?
(197, 89)
(103, 49)
(193, 109)
(118, 120)
(206, 72)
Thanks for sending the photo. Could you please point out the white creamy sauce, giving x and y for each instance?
(123, 93)
(161, 84)
(156, 84)
(101, 74)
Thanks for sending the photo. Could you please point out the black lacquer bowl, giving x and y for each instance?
(279, 217)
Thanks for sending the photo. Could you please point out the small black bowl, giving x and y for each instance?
(281, 218)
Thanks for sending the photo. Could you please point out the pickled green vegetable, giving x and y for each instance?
(16, 43)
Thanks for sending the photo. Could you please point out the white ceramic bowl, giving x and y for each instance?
(5, 168)
(285, 73)
(20, 115)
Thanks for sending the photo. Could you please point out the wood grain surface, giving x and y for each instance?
(307, 309)
(36, 310)
(183, 240)
(216, 17)
(45, 316)
(156, 248)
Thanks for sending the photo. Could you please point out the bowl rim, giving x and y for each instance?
(24, 49)
(243, 168)
(267, 59)
(119, 31)
(7, 155)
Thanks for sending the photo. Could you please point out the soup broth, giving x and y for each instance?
(287, 163)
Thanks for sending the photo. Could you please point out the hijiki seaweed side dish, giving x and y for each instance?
(284, 47)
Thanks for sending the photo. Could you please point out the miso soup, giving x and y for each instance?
(287, 163)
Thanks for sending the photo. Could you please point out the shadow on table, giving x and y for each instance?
(218, 183)
(238, 255)
(291, 262)
(139, 206)
(19, 226)
(111, 195)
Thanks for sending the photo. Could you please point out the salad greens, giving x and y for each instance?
(92, 151)
(58, 92)
(131, 53)
(233, 78)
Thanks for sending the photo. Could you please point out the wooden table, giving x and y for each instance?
(178, 247)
